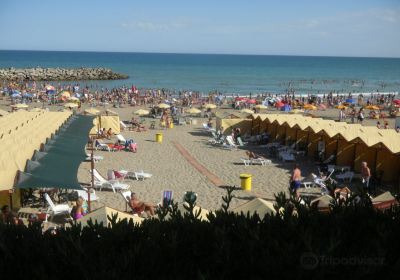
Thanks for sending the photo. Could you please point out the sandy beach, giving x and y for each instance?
(171, 170)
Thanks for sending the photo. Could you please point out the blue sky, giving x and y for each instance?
(287, 27)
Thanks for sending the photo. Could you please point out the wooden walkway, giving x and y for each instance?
(210, 176)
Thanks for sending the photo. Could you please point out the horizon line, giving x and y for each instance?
(195, 53)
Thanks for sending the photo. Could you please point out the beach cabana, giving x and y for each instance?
(21, 133)
(257, 205)
(141, 112)
(103, 214)
(56, 164)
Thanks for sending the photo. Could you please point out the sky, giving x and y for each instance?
(368, 28)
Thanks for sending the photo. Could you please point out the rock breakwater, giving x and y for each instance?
(59, 74)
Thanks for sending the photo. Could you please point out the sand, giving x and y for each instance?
(172, 171)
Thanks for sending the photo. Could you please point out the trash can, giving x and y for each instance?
(171, 125)
(245, 181)
(158, 137)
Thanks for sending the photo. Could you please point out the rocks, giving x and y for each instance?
(59, 74)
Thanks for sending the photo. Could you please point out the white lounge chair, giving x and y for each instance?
(141, 175)
(84, 194)
(95, 158)
(348, 175)
(246, 161)
(100, 182)
(286, 156)
(230, 144)
(123, 125)
(127, 196)
(53, 210)
(101, 146)
(121, 138)
(262, 161)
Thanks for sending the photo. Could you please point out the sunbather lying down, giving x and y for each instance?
(252, 155)
(138, 206)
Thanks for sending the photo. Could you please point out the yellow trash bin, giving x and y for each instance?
(171, 125)
(158, 137)
(245, 181)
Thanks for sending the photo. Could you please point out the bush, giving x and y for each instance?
(354, 241)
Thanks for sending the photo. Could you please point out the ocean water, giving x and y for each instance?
(242, 74)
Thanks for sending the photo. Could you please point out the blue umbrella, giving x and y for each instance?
(15, 95)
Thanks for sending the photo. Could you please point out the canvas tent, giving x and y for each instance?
(56, 166)
(257, 205)
(101, 216)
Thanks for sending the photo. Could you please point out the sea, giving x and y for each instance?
(227, 74)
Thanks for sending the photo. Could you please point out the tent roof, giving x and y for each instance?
(259, 205)
(370, 136)
(57, 166)
(100, 215)
(21, 133)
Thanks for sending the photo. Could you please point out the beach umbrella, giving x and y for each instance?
(323, 202)
(240, 99)
(396, 101)
(16, 95)
(73, 98)
(279, 104)
(310, 107)
(247, 111)
(341, 107)
(210, 106)
(70, 105)
(163, 106)
(193, 111)
(92, 111)
(260, 107)
(286, 108)
(257, 205)
(372, 107)
(109, 112)
(251, 101)
(65, 94)
(296, 111)
(50, 90)
(141, 112)
(36, 110)
(20, 106)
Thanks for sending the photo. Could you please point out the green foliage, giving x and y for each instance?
(352, 241)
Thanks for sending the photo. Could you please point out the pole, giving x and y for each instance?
(92, 175)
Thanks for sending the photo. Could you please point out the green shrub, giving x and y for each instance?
(353, 241)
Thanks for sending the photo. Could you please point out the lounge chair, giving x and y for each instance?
(102, 146)
(166, 198)
(230, 144)
(84, 194)
(95, 158)
(121, 138)
(53, 210)
(286, 156)
(100, 182)
(262, 161)
(348, 175)
(127, 196)
(140, 176)
(122, 125)
(246, 161)
(240, 142)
